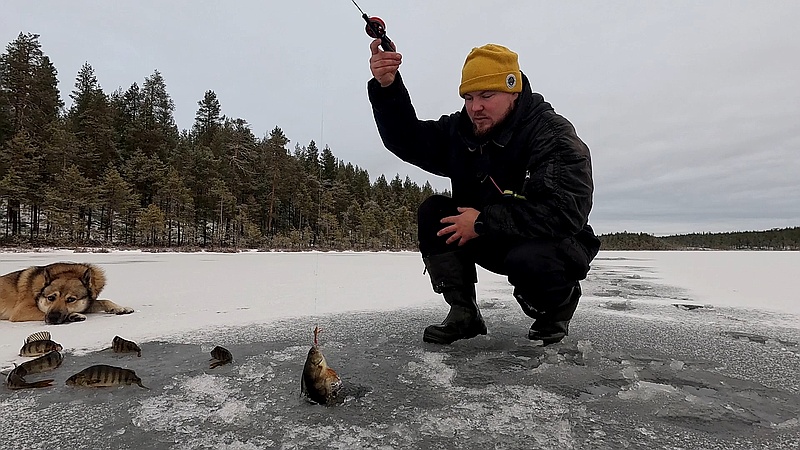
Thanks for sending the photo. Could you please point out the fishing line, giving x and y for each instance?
(319, 196)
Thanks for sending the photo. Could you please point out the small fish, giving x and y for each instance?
(220, 356)
(38, 344)
(125, 346)
(48, 361)
(102, 375)
(319, 383)
(16, 380)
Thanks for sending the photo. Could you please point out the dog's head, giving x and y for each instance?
(65, 294)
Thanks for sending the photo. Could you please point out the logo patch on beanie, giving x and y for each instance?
(511, 81)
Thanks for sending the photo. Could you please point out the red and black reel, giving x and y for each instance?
(376, 27)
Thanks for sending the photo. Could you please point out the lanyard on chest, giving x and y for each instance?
(484, 174)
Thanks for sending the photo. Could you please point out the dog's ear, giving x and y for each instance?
(35, 279)
(47, 277)
(94, 279)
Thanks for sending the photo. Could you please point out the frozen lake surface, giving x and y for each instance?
(656, 358)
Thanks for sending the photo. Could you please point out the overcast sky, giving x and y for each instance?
(691, 109)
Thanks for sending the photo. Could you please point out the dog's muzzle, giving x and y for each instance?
(55, 318)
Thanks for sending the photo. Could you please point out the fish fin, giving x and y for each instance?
(38, 336)
(141, 385)
(215, 364)
(42, 383)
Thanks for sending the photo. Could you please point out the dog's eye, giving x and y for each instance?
(51, 297)
(71, 299)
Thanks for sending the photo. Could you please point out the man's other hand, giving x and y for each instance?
(462, 226)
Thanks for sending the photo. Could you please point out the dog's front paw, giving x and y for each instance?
(76, 317)
(120, 310)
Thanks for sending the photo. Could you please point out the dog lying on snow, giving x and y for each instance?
(56, 293)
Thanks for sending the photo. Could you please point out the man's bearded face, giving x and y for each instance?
(488, 108)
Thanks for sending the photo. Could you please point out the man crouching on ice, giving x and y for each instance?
(522, 192)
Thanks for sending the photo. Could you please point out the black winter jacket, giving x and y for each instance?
(534, 153)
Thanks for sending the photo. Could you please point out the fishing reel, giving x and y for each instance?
(376, 29)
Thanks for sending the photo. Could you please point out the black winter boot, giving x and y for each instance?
(455, 279)
(551, 325)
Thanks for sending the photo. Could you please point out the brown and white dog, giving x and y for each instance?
(56, 293)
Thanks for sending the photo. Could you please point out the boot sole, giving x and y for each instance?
(433, 339)
(546, 340)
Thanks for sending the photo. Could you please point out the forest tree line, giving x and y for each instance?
(113, 169)
(776, 239)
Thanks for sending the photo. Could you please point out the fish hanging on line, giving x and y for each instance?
(38, 344)
(319, 383)
(101, 375)
(220, 356)
(120, 345)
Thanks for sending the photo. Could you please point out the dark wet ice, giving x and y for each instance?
(635, 372)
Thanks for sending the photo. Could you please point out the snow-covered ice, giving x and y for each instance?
(667, 350)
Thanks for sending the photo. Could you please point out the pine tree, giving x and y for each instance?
(29, 82)
(6, 123)
(275, 179)
(118, 200)
(29, 106)
(20, 182)
(146, 174)
(69, 202)
(178, 206)
(127, 120)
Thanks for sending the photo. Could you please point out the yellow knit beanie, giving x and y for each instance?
(490, 68)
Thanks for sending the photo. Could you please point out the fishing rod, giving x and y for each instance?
(376, 28)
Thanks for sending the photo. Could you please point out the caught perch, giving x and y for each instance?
(220, 356)
(120, 345)
(102, 375)
(44, 363)
(319, 383)
(16, 380)
(38, 344)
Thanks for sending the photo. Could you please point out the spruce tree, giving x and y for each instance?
(90, 118)
(207, 121)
